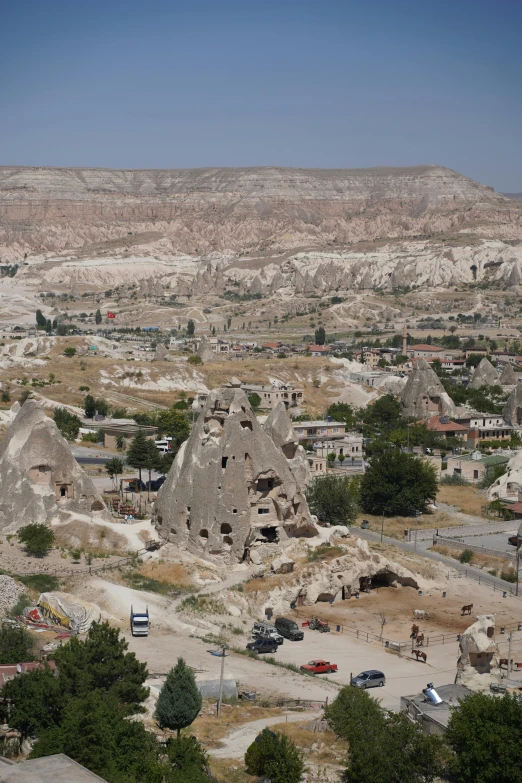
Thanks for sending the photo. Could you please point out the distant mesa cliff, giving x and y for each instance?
(46, 211)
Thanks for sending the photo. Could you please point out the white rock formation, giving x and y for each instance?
(205, 352)
(508, 377)
(512, 412)
(40, 481)
(485, 375)
(510, 483)
(278, 426)
(477, 651)
(424, 394)
(230, 486)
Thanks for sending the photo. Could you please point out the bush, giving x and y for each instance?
(38, 539)
(42, 583)
(69, 352)
(276, 757)
(454, 479)
(333, 499)
(509, 576)
(466, 556)
(195, 359)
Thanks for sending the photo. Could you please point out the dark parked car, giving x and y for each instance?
(155, 484)
(289, 629)
(263, 646)
(134, 485)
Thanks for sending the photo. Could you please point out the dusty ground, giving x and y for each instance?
(468, 500)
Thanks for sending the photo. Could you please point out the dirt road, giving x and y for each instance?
(234, 746)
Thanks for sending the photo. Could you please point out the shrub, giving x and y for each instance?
(195, 359)
(466, 556)
(69, 351)
(42, 583)
(38, 539)
(276, 757)
(509, 576)
(453, 479)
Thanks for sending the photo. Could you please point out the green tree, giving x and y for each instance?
(40, 319)
(191, 328)
(16, 645)
(397, 483)
(138, 454)
(68, 423)
(333, 499)
(342, 411)
(89, 406)
(102, 662)
(93, 731)
(165, 461)
(188, 760)
(38, 539)
(179, 701)
(382, 416)
(98, 317)
(114, 468)
(69, 352)
(255, 401)
(276, 757)
(6, 395)
(175, 425)
(485, 733)
(320, 336)
(474, 360)
(36, 700)
(351, 710)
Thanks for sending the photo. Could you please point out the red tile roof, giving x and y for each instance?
(319, 348)
(435, 424)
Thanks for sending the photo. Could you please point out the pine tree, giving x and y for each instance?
(179, 701)
(40, 319)
(98, 317)
(191, 328)
(138, 455)
(320, 336)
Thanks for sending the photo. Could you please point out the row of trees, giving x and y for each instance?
(82, 710)
(482, 743)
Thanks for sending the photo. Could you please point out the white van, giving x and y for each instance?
(266, 631)
(163, 445)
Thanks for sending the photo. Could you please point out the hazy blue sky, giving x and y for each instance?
(320, 83)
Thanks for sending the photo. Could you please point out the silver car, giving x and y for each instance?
(369, 679)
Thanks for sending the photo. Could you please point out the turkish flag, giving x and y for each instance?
(111, 315)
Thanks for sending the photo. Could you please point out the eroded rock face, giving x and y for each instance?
(162, 354)
(278, 426)
(510, 483)
(485, 375)
(508, 377)
(424, 394)
(477, 650)
(230, 486)
(344, 575)
(512, 412)
(40, 481)
(205, 352)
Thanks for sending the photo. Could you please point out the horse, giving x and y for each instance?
(420, 614)
(504, 662)
(420, 640)
(466, 610)
(420, 654)
(414, 631)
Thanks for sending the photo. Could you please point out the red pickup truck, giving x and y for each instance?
(319, 667)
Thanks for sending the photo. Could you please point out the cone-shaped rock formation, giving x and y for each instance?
(485, 375)
(278, 426)
(205, 352)
(424, 394)
(40, 481)
(512, 412)
(230, 486)
(508, 377)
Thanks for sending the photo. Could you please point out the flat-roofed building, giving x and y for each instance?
(291, 396)
(319, 430)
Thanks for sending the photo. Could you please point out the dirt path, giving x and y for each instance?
(236, 743)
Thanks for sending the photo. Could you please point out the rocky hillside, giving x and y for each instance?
(99, 212)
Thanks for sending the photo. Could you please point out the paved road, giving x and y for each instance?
(498, 541)
(473, 573)
(234, 745)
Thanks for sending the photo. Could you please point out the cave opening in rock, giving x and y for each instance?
(270, 533)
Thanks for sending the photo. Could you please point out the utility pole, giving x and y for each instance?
(517, 567)
(221, 682)
(508, 675)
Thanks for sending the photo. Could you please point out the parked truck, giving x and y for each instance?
(139, 622)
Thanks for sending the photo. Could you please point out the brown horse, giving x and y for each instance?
(420, 654)
(414, 631)
(420, 640)
(504, 662)
(466, 610)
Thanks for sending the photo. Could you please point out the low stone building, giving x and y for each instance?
(473, 467)
(230, 486)
(432, 718)
(40, 481)
(290, 396)
(320, 430)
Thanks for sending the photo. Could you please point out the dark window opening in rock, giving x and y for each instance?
(233, 457)
(225, 528)
(203, 533)
(188, 524)
(247, 425)
(173, 530)
(365, 583)
(490, 631)
(289, 450)
(265, 484)
(263, 510)
(97, 506)
(381, 580)
(160, 519)
(324, 597)
(227, 540)
(270, 533)
(234, 510)
(188, 509)
(224, 461)
(63, 492)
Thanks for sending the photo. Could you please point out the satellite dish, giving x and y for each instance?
(19, 668)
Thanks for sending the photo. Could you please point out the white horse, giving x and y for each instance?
(420, 614)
